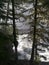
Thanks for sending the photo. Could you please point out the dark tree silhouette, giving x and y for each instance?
(14, 31)
(34, 34)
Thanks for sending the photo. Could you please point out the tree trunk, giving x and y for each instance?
(7, 12)
(34, 34)
(14, 31)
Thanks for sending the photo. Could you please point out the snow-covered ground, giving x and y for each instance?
(25, 46)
